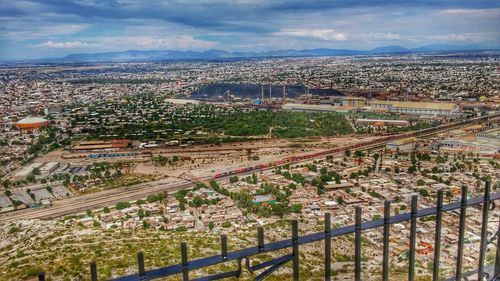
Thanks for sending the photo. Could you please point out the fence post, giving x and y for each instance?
(184, 259)
(328, 246)
(223, 243)
(413, 238)
(93, 271)
(260, 238)
(461, 232)
(484, 230)
(497, 257)
(437, 237)
(41, 276)
(357, 245)
(385, 261)
(295, 244)
(140, 262)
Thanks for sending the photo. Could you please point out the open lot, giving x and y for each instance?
(4, 201)
(22, 196)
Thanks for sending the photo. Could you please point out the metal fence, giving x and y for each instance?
(243, 256)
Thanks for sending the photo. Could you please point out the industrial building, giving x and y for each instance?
(456, 146)
(316, 107)
(49, 168)
(349, 101)
(491, 136)
(399, 123)
(418, 108)
(102, 145)
(32, 123)
(404, 145)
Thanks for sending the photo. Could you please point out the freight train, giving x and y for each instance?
(289, 160)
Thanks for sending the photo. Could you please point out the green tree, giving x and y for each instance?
(122, 205)
(297, 208)
(347, 153)
(35, 171)
(233, 179)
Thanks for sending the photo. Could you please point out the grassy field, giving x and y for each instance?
(64, 252)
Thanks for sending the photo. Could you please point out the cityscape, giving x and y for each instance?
(327, 151)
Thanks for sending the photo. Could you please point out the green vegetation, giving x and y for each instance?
(286, 124)
(235, 124)
(122, 205)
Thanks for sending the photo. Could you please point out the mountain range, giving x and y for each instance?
(170, 55)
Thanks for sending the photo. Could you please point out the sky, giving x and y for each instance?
(32, 29)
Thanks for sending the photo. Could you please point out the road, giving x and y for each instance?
(108, 198)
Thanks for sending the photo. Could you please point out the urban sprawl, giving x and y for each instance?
(180, 150)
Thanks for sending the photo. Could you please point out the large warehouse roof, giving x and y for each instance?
(418, 105)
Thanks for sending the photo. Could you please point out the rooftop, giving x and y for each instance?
(30, 120)
(422, 105)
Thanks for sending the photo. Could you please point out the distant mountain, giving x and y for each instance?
(165, 55)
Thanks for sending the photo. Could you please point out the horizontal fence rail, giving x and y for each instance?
(487, 201)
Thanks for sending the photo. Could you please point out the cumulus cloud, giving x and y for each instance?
(68, 45)
(320, 34)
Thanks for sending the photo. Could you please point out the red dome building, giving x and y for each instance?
(32, 123)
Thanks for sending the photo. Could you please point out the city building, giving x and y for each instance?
(404, 145)
(32, 123)
(316, 107)
(418, 108)
(490, 136)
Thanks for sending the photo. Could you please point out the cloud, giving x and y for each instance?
(377, 36)
(320, 34)
(182, 42)
(464, 37)
(68, 45)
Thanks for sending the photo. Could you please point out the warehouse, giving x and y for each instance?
(322, 108)
(419, 108)
(404, 145)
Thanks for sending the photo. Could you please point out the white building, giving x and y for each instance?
(418, 108)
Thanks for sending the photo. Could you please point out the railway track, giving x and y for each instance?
(99, 200)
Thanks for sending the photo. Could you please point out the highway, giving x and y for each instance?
(108, 198)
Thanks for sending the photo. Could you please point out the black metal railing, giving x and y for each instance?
(487, 201)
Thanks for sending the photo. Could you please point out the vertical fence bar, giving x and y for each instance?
(93, 271)
(497, 257)
(328, 246)
(223, 246)
(484, 230)
(385, 261)
(260, 238)
(41, 276)
(140, 262)
(357, 245)
(184, 260)
(295, 243)
(413, 238)
(437, 237)
(461, 232)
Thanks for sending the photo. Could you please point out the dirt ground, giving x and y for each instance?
(206, 160)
